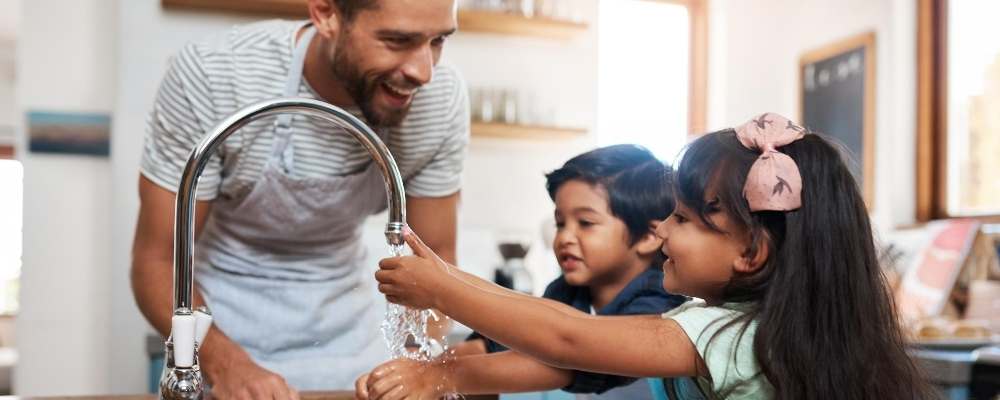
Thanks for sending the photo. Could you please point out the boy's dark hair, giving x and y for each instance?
(350, 8)
(637, 183)
(826, 321)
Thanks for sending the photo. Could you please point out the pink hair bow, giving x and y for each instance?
(774, 182)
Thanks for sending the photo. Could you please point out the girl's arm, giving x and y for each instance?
(503, 372)
(558, 336)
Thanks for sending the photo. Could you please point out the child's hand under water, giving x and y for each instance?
(403, 379)
(412, 280)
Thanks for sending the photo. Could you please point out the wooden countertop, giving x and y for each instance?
(344, 395)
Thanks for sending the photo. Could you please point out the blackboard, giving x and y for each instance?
(837, 94)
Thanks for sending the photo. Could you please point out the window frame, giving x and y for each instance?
(932, 114)
(698, 68)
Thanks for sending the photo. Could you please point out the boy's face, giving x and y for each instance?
(591, 244)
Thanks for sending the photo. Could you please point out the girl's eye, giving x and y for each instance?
(586, 223)
(679, 218)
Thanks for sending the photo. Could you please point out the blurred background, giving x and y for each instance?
(912, 87)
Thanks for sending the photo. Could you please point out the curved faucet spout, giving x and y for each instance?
(182, 379)
(184, 227)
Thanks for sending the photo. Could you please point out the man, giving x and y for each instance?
(279, 260)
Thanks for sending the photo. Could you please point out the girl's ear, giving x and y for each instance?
(325, 17)
(747, 263)
(649, 243)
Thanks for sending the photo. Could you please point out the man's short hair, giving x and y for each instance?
(350, 8)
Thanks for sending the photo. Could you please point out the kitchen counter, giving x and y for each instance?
(345, 395)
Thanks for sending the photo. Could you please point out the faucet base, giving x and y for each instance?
(182, 384)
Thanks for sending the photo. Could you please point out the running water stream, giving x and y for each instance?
(402, 323)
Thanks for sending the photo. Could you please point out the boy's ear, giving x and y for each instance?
(649, 243)
(325, 17)
(747, 264)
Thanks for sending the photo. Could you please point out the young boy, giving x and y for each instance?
(607, 204)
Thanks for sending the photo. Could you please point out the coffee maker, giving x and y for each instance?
(512, 274)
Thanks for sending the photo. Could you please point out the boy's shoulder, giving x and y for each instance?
(644, 295)
(576, 296)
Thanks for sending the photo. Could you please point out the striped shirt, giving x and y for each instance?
(209, 80)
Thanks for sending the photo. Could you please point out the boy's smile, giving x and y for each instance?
(569, 262)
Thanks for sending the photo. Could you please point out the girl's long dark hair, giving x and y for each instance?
(827, 326)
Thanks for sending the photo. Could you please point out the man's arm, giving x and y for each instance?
(435, 220)
(152, 253)
(226, 364)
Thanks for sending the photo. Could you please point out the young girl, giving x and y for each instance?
(608, 202)
(771, 231)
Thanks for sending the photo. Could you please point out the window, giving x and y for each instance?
(959, 109)
(650, 73)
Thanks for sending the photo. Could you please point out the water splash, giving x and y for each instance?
(402, 323)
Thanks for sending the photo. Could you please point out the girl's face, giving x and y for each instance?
(700, 261)
(591, 244)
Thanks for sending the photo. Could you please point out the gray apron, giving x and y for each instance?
(283, 272)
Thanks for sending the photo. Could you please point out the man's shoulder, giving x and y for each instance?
(446, 75)
(261, 38)
(443, 90)
(437, 106)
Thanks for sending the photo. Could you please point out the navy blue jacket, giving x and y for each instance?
(644, 295)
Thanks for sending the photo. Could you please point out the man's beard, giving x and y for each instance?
(362, 90)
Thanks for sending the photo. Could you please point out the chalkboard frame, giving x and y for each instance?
(867, 41)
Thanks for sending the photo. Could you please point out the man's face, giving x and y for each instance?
(384, 55)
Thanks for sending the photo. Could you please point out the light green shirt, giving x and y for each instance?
(729, 356)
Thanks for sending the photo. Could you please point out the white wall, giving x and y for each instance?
(782, 30)
(504, 184)
(65, 62)
(10, 15)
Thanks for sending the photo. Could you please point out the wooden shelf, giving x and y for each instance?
(533, 132)
(290, 8)
(513, 24)
(468, 20)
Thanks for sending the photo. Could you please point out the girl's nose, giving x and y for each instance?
(661, 229)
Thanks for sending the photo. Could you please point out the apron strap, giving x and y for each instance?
(283, 125)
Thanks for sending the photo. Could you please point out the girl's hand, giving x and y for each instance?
(408, 379)
(413, 281)
(361, 387)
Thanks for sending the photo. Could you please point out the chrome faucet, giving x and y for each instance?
(181, 377)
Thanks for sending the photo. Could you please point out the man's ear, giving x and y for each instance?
(325, 17)
(748, 263)
(649, 243)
